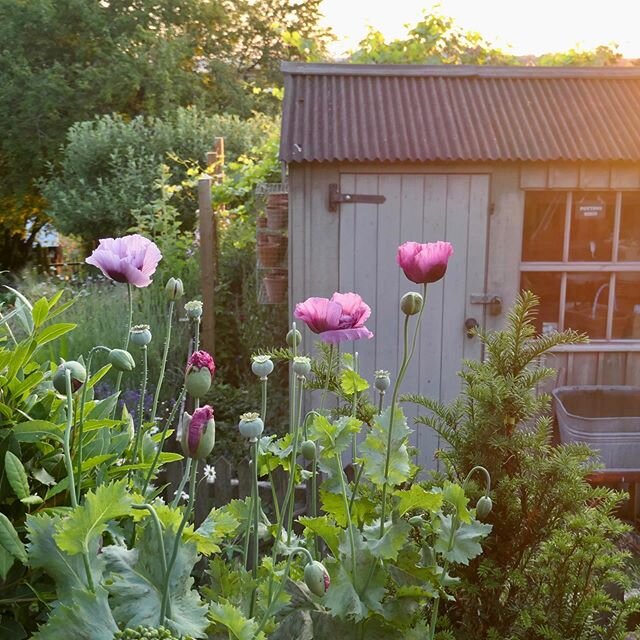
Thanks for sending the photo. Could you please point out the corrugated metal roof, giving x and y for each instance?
(411, 113)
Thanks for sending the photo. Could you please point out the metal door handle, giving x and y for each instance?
(470, 324)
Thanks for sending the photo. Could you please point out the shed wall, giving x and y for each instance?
(314, 243)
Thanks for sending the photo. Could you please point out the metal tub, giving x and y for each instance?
(606, 418)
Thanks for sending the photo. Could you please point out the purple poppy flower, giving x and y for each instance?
(132, 259)
(424, 263)
(337, 319)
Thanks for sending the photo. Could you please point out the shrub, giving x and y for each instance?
(552, 554)
(109, 166)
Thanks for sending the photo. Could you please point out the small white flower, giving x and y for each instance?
(209, 473)
(183, 496)
(120, 462)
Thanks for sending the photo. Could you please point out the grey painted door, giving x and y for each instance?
(422, 208)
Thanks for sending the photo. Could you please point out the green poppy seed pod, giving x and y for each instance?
(198, 382)
(78, 376)
(251, 426)
(308, 449)
(301, 365)
(140, 335)
(174, 289)
(411, 303)
(316, 577)
(193, 309)
(262, 366)
(382, 381)
(416, 521)
(121, 360)
(483, 507)
(294, 338)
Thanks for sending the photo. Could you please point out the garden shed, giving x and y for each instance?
(533, 174)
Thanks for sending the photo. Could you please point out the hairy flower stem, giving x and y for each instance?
(69, 465)
(125, 345)
(185, 476)
(380, 401)
(406, 359)
(455, 524)
(347, 509)
(192, 471)
(328, 380)
(292, 381)
(163, 437)
(83, 399)
(143, 391)
(294, 457)
(354, 410)
(163, 364)
(163, 554)
(247, 533)
(256, 519)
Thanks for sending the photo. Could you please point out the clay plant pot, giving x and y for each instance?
(277, 210)
(275, 285)
(271, 251)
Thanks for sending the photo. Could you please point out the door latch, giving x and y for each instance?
(335, 198)
(493, 302)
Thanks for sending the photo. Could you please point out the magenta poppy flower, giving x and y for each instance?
(199, 373)
(337, 319)
(424, 263)
(132, 259)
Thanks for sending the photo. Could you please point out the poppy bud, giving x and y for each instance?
(251, 426)
(308, 449)
(302, 365)
(317, 578)
(140, 335)
(174, 289)
(483, 507)
(294, 338)
(121, 360)
(199, 374)
(262, 366)
(78, 376)
(198, 433)
(411, 303)
(382, 381)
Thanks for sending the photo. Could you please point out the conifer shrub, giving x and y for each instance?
(551, 563)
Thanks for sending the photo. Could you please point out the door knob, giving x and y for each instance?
(470, 324)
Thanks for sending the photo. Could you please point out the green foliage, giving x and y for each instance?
(437, 39)
(109, 167)
(146, 633)
(544, 570)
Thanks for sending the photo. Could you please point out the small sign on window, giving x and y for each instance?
(591, 209)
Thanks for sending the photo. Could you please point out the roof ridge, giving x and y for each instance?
(455, 70)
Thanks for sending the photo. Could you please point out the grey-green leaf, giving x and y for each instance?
(16, 475)
(10, 540)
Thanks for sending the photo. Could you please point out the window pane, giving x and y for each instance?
(547, 287)
(629, 248)
(592, 226)
(626, 323)
(587, 303)
(544, 214)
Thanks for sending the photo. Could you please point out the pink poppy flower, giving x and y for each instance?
(337, 319)
(198, 435)
(132, 259)
(201, 360)
(424, 263)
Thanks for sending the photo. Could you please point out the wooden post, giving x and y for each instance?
(209, 244)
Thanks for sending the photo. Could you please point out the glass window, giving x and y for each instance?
(581, 257)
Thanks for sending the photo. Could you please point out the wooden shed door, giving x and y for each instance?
(422, 208)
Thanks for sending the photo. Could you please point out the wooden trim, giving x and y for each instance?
(615, 346)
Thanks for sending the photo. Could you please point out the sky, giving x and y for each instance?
(519, 26)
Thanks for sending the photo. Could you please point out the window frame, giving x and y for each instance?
(566, 266)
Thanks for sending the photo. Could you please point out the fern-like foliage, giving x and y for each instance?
(544, 568)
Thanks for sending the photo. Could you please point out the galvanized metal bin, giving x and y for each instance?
(605, 417)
